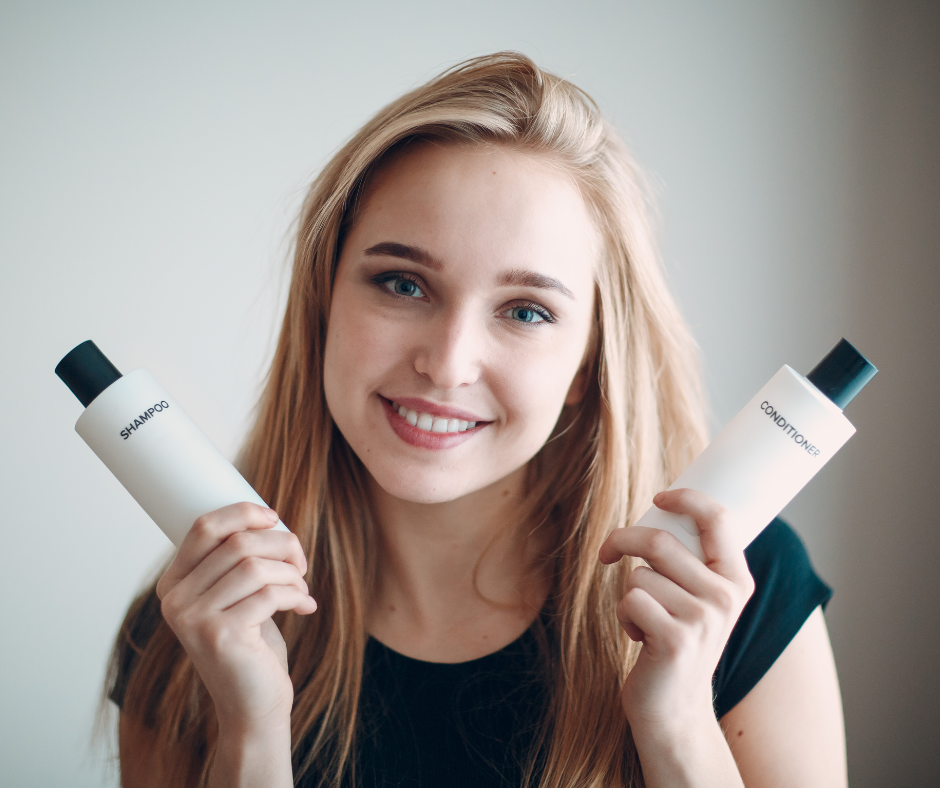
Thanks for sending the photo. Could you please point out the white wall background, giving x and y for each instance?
(152, 159)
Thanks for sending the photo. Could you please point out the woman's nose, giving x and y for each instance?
(450, 351)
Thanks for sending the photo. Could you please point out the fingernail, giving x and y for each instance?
(272, 515)
(658, 498)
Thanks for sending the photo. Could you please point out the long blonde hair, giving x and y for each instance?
(639, 424)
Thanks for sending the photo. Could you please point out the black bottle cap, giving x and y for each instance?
(842, 373)
(87, 372)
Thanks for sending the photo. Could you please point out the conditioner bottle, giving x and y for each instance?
(149, 443)
(773, 447)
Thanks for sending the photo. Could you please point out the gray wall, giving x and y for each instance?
(151, 160)
(886, 630)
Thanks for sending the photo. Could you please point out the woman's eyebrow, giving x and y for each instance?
(522, 278)
(405, 252)
(516, 277)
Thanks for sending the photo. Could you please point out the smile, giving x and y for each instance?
(423, 430)
(428, 423)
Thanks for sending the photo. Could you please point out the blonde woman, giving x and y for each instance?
(481, 382)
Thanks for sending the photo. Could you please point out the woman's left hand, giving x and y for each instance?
(683, 612)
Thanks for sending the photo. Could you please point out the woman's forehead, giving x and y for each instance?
(481, 204)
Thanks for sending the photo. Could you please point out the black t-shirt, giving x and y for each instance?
(472, 723)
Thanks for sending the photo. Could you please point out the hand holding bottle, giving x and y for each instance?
(683, 610)
(231, 574)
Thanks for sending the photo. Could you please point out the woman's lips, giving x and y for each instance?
(435, 410)
(425, 439)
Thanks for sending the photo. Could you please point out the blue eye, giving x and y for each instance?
(402, 286)
(529, 313)
(526, 315)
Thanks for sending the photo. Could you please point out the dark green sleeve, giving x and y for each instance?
(786, 591)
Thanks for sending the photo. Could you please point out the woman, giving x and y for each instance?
(480, 384)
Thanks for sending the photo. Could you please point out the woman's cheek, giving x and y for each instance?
(358, 337)
(533, 394)
(349, 355)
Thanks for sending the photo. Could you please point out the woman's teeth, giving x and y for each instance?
(427, 422)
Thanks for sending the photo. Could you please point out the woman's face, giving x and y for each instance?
(463, 294)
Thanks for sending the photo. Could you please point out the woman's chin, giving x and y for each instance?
(428, 492)
(424, 487)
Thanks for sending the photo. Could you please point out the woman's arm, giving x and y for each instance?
(231, 574)
(788, 731)
(241, 758)
(683, 611)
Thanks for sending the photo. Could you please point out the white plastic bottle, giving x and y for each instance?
(149, 443)
(773, 447)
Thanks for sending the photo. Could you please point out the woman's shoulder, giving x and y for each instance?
(776, 547)
(786, 591)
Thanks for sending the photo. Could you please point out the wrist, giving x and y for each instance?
(690, 750)
(250, 754)
(273, 730)
(673, 730)
(678, 718)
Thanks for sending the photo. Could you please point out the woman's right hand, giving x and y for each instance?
(231, 574)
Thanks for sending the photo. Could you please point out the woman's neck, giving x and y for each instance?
(456, 580)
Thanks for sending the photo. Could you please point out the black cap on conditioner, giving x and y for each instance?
(87, 372)
(842, 374)
(772, 448)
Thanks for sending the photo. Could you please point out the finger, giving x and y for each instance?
(663, 552)
(208, 532)
(611, 551)
(263, 604)
(695, 583)
(674, 599)
(249, 577)
(272, 545)
(721, 541)
(638, 611)
(632, 630)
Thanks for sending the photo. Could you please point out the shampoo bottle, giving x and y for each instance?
(149, 443)
(773, 447)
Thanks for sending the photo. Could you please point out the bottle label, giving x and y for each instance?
(171, 468)
(789, 430)
(762, 458)
(144, 417)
